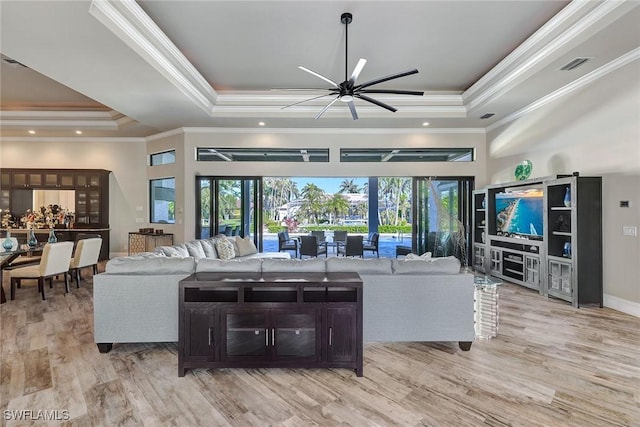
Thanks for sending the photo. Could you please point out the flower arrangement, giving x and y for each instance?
(7, 219)
(46, 217)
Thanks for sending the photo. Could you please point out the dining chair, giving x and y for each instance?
(310, 246)
(86, 255)
(372, 244)
(54, 261)
(353, 247)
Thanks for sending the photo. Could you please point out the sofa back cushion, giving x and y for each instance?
(195, 249)
(151, 265)
(173, 251)
(209, 248)
(371, 266)
(309, 265)
(245, 246)
(228, 266)
(443, 265)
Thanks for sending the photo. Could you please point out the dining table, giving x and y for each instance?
(7, 257)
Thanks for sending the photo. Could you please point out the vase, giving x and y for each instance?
(52, 237)
(567, 197)
(7, 244)
(566, 250)
(32, 242)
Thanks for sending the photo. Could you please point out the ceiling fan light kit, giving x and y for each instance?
(348, 91)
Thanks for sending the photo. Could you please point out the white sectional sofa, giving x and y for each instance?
(136, 298)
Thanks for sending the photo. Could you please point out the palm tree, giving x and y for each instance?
(349, 186)
(313, 203)
(338, 205)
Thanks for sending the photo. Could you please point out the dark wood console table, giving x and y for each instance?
(257, 320)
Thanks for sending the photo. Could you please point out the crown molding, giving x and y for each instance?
(127, 20)
(324, 131)
(577, 20)
(279, 99)
(78, 139)
(585, 80)
(94, 120)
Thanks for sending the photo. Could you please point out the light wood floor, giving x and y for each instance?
(550, 365)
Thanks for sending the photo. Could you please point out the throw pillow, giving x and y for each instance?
(245, 246)
(225, 249)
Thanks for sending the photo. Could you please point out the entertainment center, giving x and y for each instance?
(544, 234)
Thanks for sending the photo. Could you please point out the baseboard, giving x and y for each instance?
(623, 305)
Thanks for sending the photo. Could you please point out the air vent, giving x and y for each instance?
(13, 62)
(487, 115)
(574, 64)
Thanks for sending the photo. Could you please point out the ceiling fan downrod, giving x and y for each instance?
(346, 19)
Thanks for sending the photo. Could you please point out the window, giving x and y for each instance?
(163, 200)
(263, 154)
(406, 155)
(163, 158)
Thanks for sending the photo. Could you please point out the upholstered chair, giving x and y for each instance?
(339, 236)
(86, 255)
(54, 261)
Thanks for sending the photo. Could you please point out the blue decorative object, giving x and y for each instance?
(8, 243)
(32, 242)
(52, 237)
(566, 250)
(567, 197)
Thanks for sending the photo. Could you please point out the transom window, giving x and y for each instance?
(262, 154)
(379, 155)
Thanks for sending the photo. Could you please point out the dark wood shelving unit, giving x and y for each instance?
(257, 320)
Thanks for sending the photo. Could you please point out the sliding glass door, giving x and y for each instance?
(229, 206)
(442, 210)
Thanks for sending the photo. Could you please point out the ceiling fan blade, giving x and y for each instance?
(352, 107)
(375, 101)
(392, 91)
(325, 108)
(334, 84)
(357, 70)
(305, 89)
(387, 78)
(307, 100)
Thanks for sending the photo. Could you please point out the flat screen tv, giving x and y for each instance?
(520, 212)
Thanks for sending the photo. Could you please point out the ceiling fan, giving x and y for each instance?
(348, 90)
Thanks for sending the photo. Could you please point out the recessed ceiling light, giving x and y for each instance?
(32, 132)
(261, 123)
(425, 123)
(78, 132)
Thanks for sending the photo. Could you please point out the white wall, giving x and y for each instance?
(127, 182)
(596, 132)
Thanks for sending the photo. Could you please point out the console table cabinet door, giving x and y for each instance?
(296, 334)
(247, 334)
(342, 334)
(200, 325)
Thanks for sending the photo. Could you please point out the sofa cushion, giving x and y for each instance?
(231, 265)
(359, 265)
(444, 265)
(309, 265)
(150, 265)
(225, 249)
(245, 246)
(173, 251)
(267, 255)
(195, 249)
(415, 256)
(209, 248)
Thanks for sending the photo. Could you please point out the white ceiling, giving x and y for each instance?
(135, 69)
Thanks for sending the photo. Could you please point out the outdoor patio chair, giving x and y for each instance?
(353, 247)
(310, 246)
(372, 244)
(339, 236)
(319, 235)
(287, 244)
